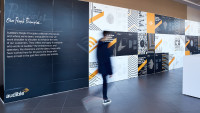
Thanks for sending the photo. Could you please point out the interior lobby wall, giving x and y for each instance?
(162, 7)
(1, 52)
(193, 14)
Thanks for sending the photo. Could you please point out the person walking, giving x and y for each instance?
(104, 63)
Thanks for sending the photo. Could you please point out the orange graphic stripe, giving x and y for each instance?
(187, 53)
(90, 45)
(187, 27)
(130, 13)
(96, 17)
(112, 43)
(158, 44)
(132, 27)
(92, 42)
(93, 49)
(142, 65)
(93, 74)
(187, 43)
(93, 39)
(171, 61)
(157, 25)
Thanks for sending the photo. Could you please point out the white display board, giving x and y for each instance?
(191, 76)
(192, 28)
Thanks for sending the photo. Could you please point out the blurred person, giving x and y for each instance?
(104, 63)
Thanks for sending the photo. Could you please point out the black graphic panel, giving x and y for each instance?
(46, 48)
(158, 62)
(71, 18)
(142, 65)
(127, 43)
(25, 20)
(192, 44)
(169, 25)
(151, 43)
(1, 57)
(150, 63)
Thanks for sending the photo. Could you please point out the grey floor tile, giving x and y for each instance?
(157, 93)
(26, 111)
(51, 103)
(48, 110)
(74, 110)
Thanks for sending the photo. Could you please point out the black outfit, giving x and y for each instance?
(104, 64)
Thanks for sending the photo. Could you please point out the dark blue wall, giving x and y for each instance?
(49, 74)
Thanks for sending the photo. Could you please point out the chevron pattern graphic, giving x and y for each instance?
(93, 27)
(165, 61)
(142, 21)
(132, 66)
(133, 21)
(95, 81)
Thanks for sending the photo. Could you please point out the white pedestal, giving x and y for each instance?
(191, 75)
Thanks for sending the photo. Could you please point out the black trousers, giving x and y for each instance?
(104, 87)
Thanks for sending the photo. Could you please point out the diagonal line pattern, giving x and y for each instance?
(142, 65)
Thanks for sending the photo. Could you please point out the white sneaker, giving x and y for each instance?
(105, 102)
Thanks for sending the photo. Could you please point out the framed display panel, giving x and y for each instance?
(169, 25)
(192, 28)
(151, 63)
(191, 45)
(109, 18)
(127, 43)
(142, 65)
(45, 46)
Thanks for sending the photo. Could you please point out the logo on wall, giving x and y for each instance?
(18, 94)
(92, 44)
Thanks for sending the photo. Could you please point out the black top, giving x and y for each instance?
(103, 57)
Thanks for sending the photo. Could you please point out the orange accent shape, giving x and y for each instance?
(130, 12)
(112, 43)
(93, 49)
(187, 43)
(142, 65)
(96, 17)
(93, 39)
(150, 23)
(157, 25)
(187, 27)
(92, 42)
(90, 45)
(26, 90)
(93, 74)
(187, 53)
(132, 27)
(158, 44)
(171, 61)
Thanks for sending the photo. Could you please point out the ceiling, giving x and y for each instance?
(191, 3)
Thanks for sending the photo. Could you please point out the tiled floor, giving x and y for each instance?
(159, 93)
